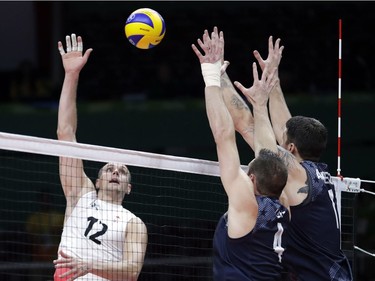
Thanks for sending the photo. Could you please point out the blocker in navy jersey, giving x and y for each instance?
(257, 255)
(314, 250)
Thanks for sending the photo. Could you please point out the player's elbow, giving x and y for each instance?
(133, 274)
(133, 277)
(132, 271)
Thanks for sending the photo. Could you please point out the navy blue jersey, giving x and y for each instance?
(257, 255)
(314, 250)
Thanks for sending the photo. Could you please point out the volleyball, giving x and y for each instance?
(145, 28)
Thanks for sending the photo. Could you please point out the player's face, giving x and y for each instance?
(115, 177)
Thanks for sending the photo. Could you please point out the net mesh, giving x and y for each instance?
(348, 226)
(179, 199)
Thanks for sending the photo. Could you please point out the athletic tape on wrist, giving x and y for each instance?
(211, 73)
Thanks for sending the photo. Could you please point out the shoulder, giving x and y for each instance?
(87, 197)
(137, 229)
(136, 222)
(83, 201)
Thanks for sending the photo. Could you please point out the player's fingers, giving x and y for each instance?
(214, 41)
(67, 273)
(221, 41)
(87, 54)
(206, 36)
(270, 44)
(255, 73)
(221, 35)
(80, 44)
(239, 86)
(202, 45)
(74, 42)
(250, 98)
(277, 43)
(64, 255)
(207, 39)
(216, 30)
(208, 44)
(77, 274)
(281, 50)
(60, 48)
(224, 67)
(196, 51)
(259, 59)
(68, 44)
(258, 56)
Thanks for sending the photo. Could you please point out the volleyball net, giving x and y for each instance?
(179, 199)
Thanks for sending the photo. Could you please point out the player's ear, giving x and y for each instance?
(129, 188)
(252, 177)
(291, 147)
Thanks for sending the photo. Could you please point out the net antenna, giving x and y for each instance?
(347, 184)
(339, 103)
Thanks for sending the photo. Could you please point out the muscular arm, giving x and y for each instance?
(278, 108)
(279, 112)
(242, 207)
(72, 176)
(239, 110)
(134, 253)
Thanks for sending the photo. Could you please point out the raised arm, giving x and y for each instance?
(237, 107)
(278, 108)
(239, 110)
(220, 121)
(72, 176)
(258, 96)
(238, 186)
(241, 114)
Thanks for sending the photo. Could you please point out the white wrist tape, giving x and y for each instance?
(211, 73)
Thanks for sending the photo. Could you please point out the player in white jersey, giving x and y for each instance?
(101, 240)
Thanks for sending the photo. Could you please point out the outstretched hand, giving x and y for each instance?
(259, 93)
(72, 59)
(213, 47)
(275, 52)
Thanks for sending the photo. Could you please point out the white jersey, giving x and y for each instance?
(95, 230)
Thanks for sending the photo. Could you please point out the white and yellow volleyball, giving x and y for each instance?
(145, 28)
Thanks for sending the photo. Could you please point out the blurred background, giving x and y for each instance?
(153, 100)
